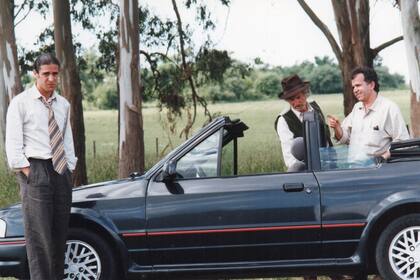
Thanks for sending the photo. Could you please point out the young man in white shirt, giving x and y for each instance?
(374, 122)
(39, 148)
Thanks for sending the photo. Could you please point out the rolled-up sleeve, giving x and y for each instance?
(396, 126)
(68, 144)
(346, 127)
(286, 139)
(14, 137)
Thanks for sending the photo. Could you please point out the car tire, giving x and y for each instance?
(398, 249)
(88, 256)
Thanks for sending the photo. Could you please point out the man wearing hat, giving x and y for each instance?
(289, 124)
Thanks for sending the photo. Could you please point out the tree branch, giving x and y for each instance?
(379, 48)
(165, 56)
(188, 76)
(155, 71)
(335, 47)
(22, 6)
(21, 10)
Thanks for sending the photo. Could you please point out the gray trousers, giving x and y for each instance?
(46, 201)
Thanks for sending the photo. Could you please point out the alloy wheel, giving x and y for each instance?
(404, 253)
(81, 261)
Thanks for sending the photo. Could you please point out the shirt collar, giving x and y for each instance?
(35, 94)
(376, 103)
(298, 113)
(373, 107)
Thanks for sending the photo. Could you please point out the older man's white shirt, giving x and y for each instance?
(286, 136)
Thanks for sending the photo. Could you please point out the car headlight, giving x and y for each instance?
(2, 228)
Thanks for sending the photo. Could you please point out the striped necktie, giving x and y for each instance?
(56, 139)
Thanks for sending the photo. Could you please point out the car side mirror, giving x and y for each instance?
(168, 173)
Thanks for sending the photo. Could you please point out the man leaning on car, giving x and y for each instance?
(39, 147)
(374, 122)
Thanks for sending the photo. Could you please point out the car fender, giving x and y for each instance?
(90, 219)
(392, 206)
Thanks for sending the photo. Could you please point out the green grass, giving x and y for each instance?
(9, 192)
(259, 150)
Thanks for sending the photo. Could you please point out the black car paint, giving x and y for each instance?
(262, 225)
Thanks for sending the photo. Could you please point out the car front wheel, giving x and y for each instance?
(398, 249)
(88, 256)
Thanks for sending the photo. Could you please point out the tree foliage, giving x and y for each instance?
(241, 82)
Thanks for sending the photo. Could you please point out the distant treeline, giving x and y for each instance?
(239, 82)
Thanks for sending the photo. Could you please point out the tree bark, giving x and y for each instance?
(352, 20)
(414, 115)
(70, 83)
(411, 30)
(10, 83)
(3, 110)
(131, 143)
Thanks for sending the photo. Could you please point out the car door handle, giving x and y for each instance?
(293, 187)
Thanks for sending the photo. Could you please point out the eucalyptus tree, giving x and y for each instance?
(10, 83)
(411, 30)
(131, 143)
(353, 26)
(70, 83)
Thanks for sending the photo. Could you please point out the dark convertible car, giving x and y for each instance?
(193, 216)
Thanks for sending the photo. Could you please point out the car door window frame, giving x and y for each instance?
(178, 158)
(234, 130)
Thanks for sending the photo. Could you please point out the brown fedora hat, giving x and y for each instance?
(292, 85)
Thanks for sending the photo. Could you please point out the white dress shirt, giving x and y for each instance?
(370, 132)
(27, 133)
(286, 136)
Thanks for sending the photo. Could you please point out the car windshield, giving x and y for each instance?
(337, 158)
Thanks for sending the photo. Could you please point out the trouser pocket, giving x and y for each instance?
(38, 174)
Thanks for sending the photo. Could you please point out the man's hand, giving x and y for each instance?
(25, 171)
(386, 155)
(334, 123)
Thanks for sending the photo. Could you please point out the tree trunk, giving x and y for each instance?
(352, 20)
(10, 83)
(411, 30)
(131, 143)
(414, 115)
(70, 83)
(3, 110)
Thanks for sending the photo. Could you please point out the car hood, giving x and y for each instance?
(83, 197)
(124, 188)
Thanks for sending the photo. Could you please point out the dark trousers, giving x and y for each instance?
(46, 201)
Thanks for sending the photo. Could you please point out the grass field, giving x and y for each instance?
(260, 148)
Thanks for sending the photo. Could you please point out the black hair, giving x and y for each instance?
(369, 74)
(45, 59)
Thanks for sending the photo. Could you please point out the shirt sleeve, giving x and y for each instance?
(286, 139)
(346, 126)
(68, 144)
(395, 126)
(14, 138)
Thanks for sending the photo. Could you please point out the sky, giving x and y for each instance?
(277, 31)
